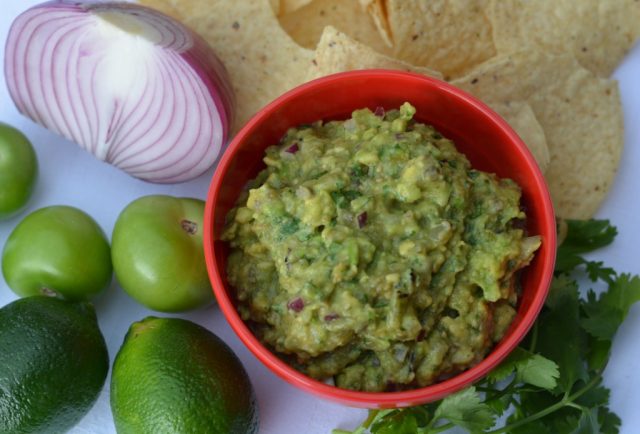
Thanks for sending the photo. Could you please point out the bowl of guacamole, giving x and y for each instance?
(379, 254)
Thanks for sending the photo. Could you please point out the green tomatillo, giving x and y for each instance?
(57, 251)
(158, 255)
(18, 171)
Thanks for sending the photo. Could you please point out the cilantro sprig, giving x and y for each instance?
(552, 382)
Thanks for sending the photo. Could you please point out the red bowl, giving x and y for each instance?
(485, 138)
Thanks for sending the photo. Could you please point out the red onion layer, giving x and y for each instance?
(129, 84)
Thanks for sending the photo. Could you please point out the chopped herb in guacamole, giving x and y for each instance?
(371, 252)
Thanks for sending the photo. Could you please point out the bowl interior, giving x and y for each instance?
(479, 133)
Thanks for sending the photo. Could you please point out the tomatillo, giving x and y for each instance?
(57, 251)
(158, 255)
(18, 171)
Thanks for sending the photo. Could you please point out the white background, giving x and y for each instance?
(71, 176)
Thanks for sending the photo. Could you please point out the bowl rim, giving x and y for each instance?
(377, 399)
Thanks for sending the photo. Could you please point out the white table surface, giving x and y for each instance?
(69, 175)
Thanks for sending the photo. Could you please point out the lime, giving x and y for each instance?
(54, 363)
(173, 376)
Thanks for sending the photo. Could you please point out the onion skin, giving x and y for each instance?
(127, 83)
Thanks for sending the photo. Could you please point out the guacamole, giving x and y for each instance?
(370, 252)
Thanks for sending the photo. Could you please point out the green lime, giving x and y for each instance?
(53, 362)
(173, 376)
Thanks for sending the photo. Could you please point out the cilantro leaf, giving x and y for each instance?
(609, 422)
(561, 286)
(538, 371)
(598, 353)
(602, 320)
(535, 427)
(508, 366)
(597, 271)
(583, 236)
(466, 409)
(500, 403)
(622, 293)
(564, 420)
(594, 397)
(404, 421)
(530, 368)
(397, 423)
(560, 323)
(588, 423)
(605, 314)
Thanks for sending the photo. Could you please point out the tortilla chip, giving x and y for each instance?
(288, 6)
(523, 120)
(580, 113)
(262, 60)
(336, 52)
(450, 36)
(579, 182)
(275, 6)
(378, 12)
(598, 32)
(305, 25)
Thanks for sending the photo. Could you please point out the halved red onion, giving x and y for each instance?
(129, 84)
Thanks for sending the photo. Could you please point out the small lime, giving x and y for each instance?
(53, 362)
(172, 376)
